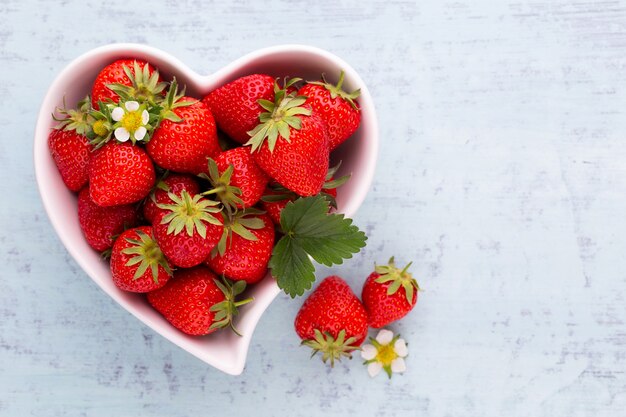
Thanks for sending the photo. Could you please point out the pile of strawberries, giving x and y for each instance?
(188, 195)
(334, 322)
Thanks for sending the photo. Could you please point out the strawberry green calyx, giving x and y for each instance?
(337, 91)
(281, 115)
(239, 223)
(331, 348)
(147, 254)
(144, 88)
(78, 120)
(173, 101)
(398, 278)
(226, 310)
(189, 213)
(279, 196)
(335, 183)
(227, 194)
(332, 184)
(160, 183)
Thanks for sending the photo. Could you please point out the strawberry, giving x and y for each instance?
(237, 180)
(389, 293)
(173, 183)
(129, 78)
(120, 173)
(295, 153)
(69, 145)
(196, 302)
(100, 224)
(276, 197)
(137, 263)
(336, 107)
(274, 201)
(235, 105)
(245, 248)
(188, 229)
(187, 135)
(70, 152)
(332, 320)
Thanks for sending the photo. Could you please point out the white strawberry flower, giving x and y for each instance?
(131, 119)
(386, 352)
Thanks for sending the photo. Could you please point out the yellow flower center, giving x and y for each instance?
(386, 354)
(131, 121)
(99, 128)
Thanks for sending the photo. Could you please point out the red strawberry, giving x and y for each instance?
(245, 248)
(332, 320)
(237, 180)
(137, 263)
(120, 173)
(274, 201)
(186, 137)
(70, 152)
(196, 302)
(173, 183)
(188, 229)
(100, 224)
(133, 79)
(389, 293)
(296, 150)
(276, 197)
(69, 146)
(235, 105)
(336, 107)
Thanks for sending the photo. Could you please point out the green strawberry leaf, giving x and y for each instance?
(292, 267)
(311, 232)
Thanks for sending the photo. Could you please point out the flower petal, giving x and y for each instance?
(400, 348)
(145, 117)
(398, 365)
(117, 114)
(368, 352)
(374, 368)
(384, 336)
(140, 133)
(122, 134)
(132, 105)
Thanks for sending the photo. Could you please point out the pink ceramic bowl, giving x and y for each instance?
(223, 350)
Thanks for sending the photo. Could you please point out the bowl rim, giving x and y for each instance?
(40, 151)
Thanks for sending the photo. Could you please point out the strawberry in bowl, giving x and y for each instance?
(158, 121)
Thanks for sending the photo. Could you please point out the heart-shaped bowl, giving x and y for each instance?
(223, 350)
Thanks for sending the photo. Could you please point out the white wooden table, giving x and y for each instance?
(502, 174)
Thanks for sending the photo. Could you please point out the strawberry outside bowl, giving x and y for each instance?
(224, 350)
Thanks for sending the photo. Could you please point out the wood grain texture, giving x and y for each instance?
(502, 174)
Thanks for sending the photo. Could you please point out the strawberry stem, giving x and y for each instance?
(243, 302)
(226, 310)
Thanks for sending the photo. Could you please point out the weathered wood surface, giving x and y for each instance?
(502, 173)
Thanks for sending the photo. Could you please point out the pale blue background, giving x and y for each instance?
(502, 174)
